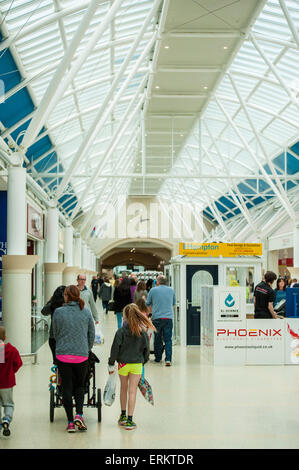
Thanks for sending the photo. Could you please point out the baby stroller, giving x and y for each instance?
(94, 397)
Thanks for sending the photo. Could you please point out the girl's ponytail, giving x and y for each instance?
(73, 294)
(136, 320)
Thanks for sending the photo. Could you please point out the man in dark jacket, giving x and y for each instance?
(105, 293)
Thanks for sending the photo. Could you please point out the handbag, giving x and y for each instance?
(111, 305)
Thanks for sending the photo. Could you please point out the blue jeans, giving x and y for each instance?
(105, 305)
(119, 316)
(164, 332)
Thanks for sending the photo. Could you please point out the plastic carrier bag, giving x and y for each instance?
(146, 389)
(109, 390)
(99, 337)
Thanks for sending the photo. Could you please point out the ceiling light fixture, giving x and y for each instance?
(166, 47)
(157, 86)
(225, 47)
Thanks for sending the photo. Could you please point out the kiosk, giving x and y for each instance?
(225, 265)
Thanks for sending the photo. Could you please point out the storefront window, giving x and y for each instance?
(241, 276)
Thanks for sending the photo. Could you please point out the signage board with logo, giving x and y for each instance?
(265, 342)
(226, 250)
(35, 223)
(228, 303)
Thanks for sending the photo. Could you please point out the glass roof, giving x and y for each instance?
(251, 121)
(246, 139)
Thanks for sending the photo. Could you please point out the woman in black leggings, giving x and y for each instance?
(74, 332)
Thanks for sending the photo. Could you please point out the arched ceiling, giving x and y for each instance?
(194, 101)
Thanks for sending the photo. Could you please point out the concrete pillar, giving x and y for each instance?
(52, 235)
(77, 252)
(53, 269)
(71, 271)
(68, 245)
(17, 265)
(16, 211)
(272, 264)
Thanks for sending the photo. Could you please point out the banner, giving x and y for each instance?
(226, 250)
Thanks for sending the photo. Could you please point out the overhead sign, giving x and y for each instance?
(226, 250)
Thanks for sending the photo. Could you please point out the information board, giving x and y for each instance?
(226, 250)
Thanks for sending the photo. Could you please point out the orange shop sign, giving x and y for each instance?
(226, 250)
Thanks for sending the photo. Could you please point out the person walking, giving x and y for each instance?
(94, 287)
(149, 284)
(56, 301)
(87, 297)
(133, 287)
(10, 363)
(105, 293)
(162, 299)
(122, 297)
(264, 297)
(74, 332)
(130, 348)
(140, 291)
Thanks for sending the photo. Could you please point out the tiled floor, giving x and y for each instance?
(197, 406)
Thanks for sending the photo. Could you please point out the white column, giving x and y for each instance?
(70, 273)
(77, 252)
(16, 265)
(16, 211)
(272, 264)
(68, 245)
(296, 244)
(53, 268)
(52, 235)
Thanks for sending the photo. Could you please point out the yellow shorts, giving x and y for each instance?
(125, 369)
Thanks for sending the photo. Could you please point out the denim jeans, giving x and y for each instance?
(164, 332)
(105, 305)
(119, 316)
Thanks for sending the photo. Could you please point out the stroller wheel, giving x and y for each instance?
(99, 405)
(52, 405)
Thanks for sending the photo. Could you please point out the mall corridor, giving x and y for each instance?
(197, 406)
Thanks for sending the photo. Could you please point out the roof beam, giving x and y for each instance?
(106, 109)
(54, 92)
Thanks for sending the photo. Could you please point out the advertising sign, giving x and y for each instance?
(292, 341)
(265, 342)
(3, 237)
(35, 223)
(226, 250)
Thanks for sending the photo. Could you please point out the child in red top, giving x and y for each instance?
(10, 362)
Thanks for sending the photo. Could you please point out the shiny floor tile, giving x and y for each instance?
(197, 406)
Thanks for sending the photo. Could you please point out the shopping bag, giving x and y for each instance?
(146, 389)
(109, 390)
(111, 306)
(99, 337)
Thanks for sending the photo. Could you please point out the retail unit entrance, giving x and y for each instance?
(188, 274)
(196, 277)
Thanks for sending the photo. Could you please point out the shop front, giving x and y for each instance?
(226, 265)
